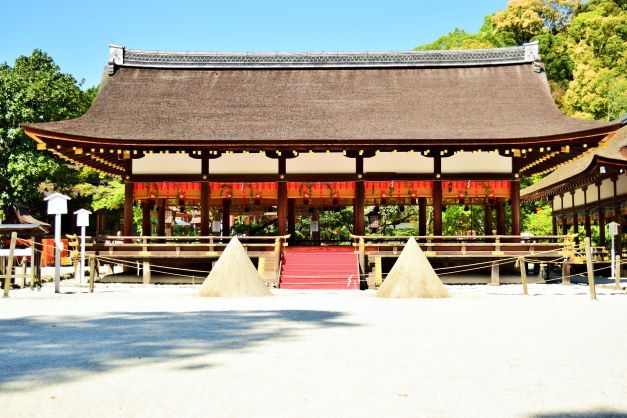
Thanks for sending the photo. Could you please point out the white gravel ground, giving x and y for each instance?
(160, 351)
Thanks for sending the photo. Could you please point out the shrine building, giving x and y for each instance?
(283, 132)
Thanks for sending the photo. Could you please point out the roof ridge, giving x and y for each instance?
(120, 56)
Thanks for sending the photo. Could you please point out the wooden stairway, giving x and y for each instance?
(319, 268)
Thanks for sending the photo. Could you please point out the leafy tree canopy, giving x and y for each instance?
(35, 90)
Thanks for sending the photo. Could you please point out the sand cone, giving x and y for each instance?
(234, 275)
(412, 276)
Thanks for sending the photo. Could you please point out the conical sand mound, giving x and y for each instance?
(234, 275)
(412, 276)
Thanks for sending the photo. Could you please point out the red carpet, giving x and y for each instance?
(319, 268)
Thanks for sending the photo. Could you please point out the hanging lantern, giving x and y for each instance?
(336, 199)
(384, 198)
(181, 202)
(414, 199)
(152, 202)
(306, 199)
(258, 200)
(374, 218)
(462, 198)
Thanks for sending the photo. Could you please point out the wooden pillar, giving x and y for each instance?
(146, 226)
(500, 217)
(575, 217)
(291, 219)
(161, 217)
(554, 224)
(515, 201)
(437, 196)
(127, 228)
(618, 218)
(487, 219)
(422, 216)
(586, 213)
(204, 200)
(282, 197)
(360, 195)
(601, 216)
(226, 217)
(358, 208)
(564, 225)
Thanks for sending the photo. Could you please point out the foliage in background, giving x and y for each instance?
(35, 90)
(582, 46)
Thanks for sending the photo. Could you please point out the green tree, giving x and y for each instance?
(34, 90)
(597, 41)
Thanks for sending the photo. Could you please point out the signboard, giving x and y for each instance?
(314, 226)
(613, 228)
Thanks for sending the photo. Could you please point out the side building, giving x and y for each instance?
(590, 190)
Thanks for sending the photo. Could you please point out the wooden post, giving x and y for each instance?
(92, 273)
(565, 272)
(437, 195)
(146, 272)
(515, 190)
(358, 208)
(495, 278)
(37, 259)
(523, 274)
(33, 263)
(161, 217)
(590, 266)
(362, 254)
(618, 218)
(127, 229)
(360, 195)
(617, 273)
(282, 198)
(437, 208)
(422, 216)
(9, 272)
(204, 209)
(378, 271)
(601, 216)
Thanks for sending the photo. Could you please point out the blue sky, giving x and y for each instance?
(76, 33)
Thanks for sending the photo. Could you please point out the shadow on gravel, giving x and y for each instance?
(592, 414)
(36, 352)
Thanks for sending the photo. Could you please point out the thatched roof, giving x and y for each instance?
(612, 151)
(428, 97)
